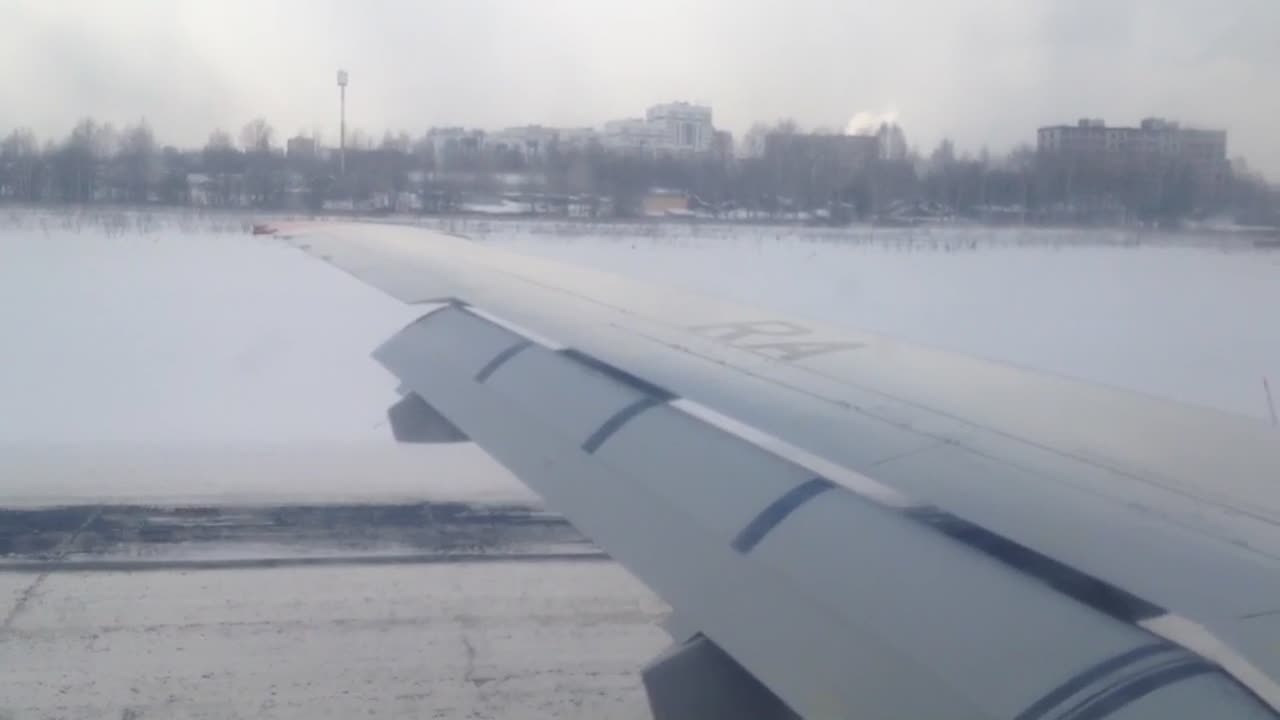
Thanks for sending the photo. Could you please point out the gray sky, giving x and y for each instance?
(980, 71)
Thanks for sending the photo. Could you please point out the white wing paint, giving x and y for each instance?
(868, 528)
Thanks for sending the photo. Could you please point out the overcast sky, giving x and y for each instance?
(979, 71)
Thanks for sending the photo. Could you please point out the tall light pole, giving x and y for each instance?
(342, 122)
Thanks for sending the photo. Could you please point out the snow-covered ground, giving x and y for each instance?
(183, 359)
(178, 356)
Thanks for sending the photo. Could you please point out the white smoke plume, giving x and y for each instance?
(868, 123)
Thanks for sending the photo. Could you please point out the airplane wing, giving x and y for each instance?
(848, 525)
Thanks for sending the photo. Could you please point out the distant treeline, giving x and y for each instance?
(97, 163)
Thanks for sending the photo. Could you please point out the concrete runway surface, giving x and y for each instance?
(404, 611)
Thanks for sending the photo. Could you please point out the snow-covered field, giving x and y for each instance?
(181, 358)
(178, 356)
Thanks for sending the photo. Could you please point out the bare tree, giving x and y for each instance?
(137, 162)
(256, 136)
(80, 162)
(219, 140)
(20, 166)
(424, 153)
(224, 165)
(358, 139)
(172, 183)
(399, 142)
(264, 172)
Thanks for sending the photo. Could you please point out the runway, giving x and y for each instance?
(478, 615)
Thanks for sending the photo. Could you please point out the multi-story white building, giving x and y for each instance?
(675, 128)
(686, 127)
(579, 138)
(670, 128)
(300, 148)
(453, 139)
(634, 135)
(529, 140)
(1153, 139)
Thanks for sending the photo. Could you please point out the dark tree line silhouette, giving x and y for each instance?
(789, 174)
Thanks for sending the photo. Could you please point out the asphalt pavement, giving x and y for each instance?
(437, 610)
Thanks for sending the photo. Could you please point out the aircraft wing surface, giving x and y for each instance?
(865, 527)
